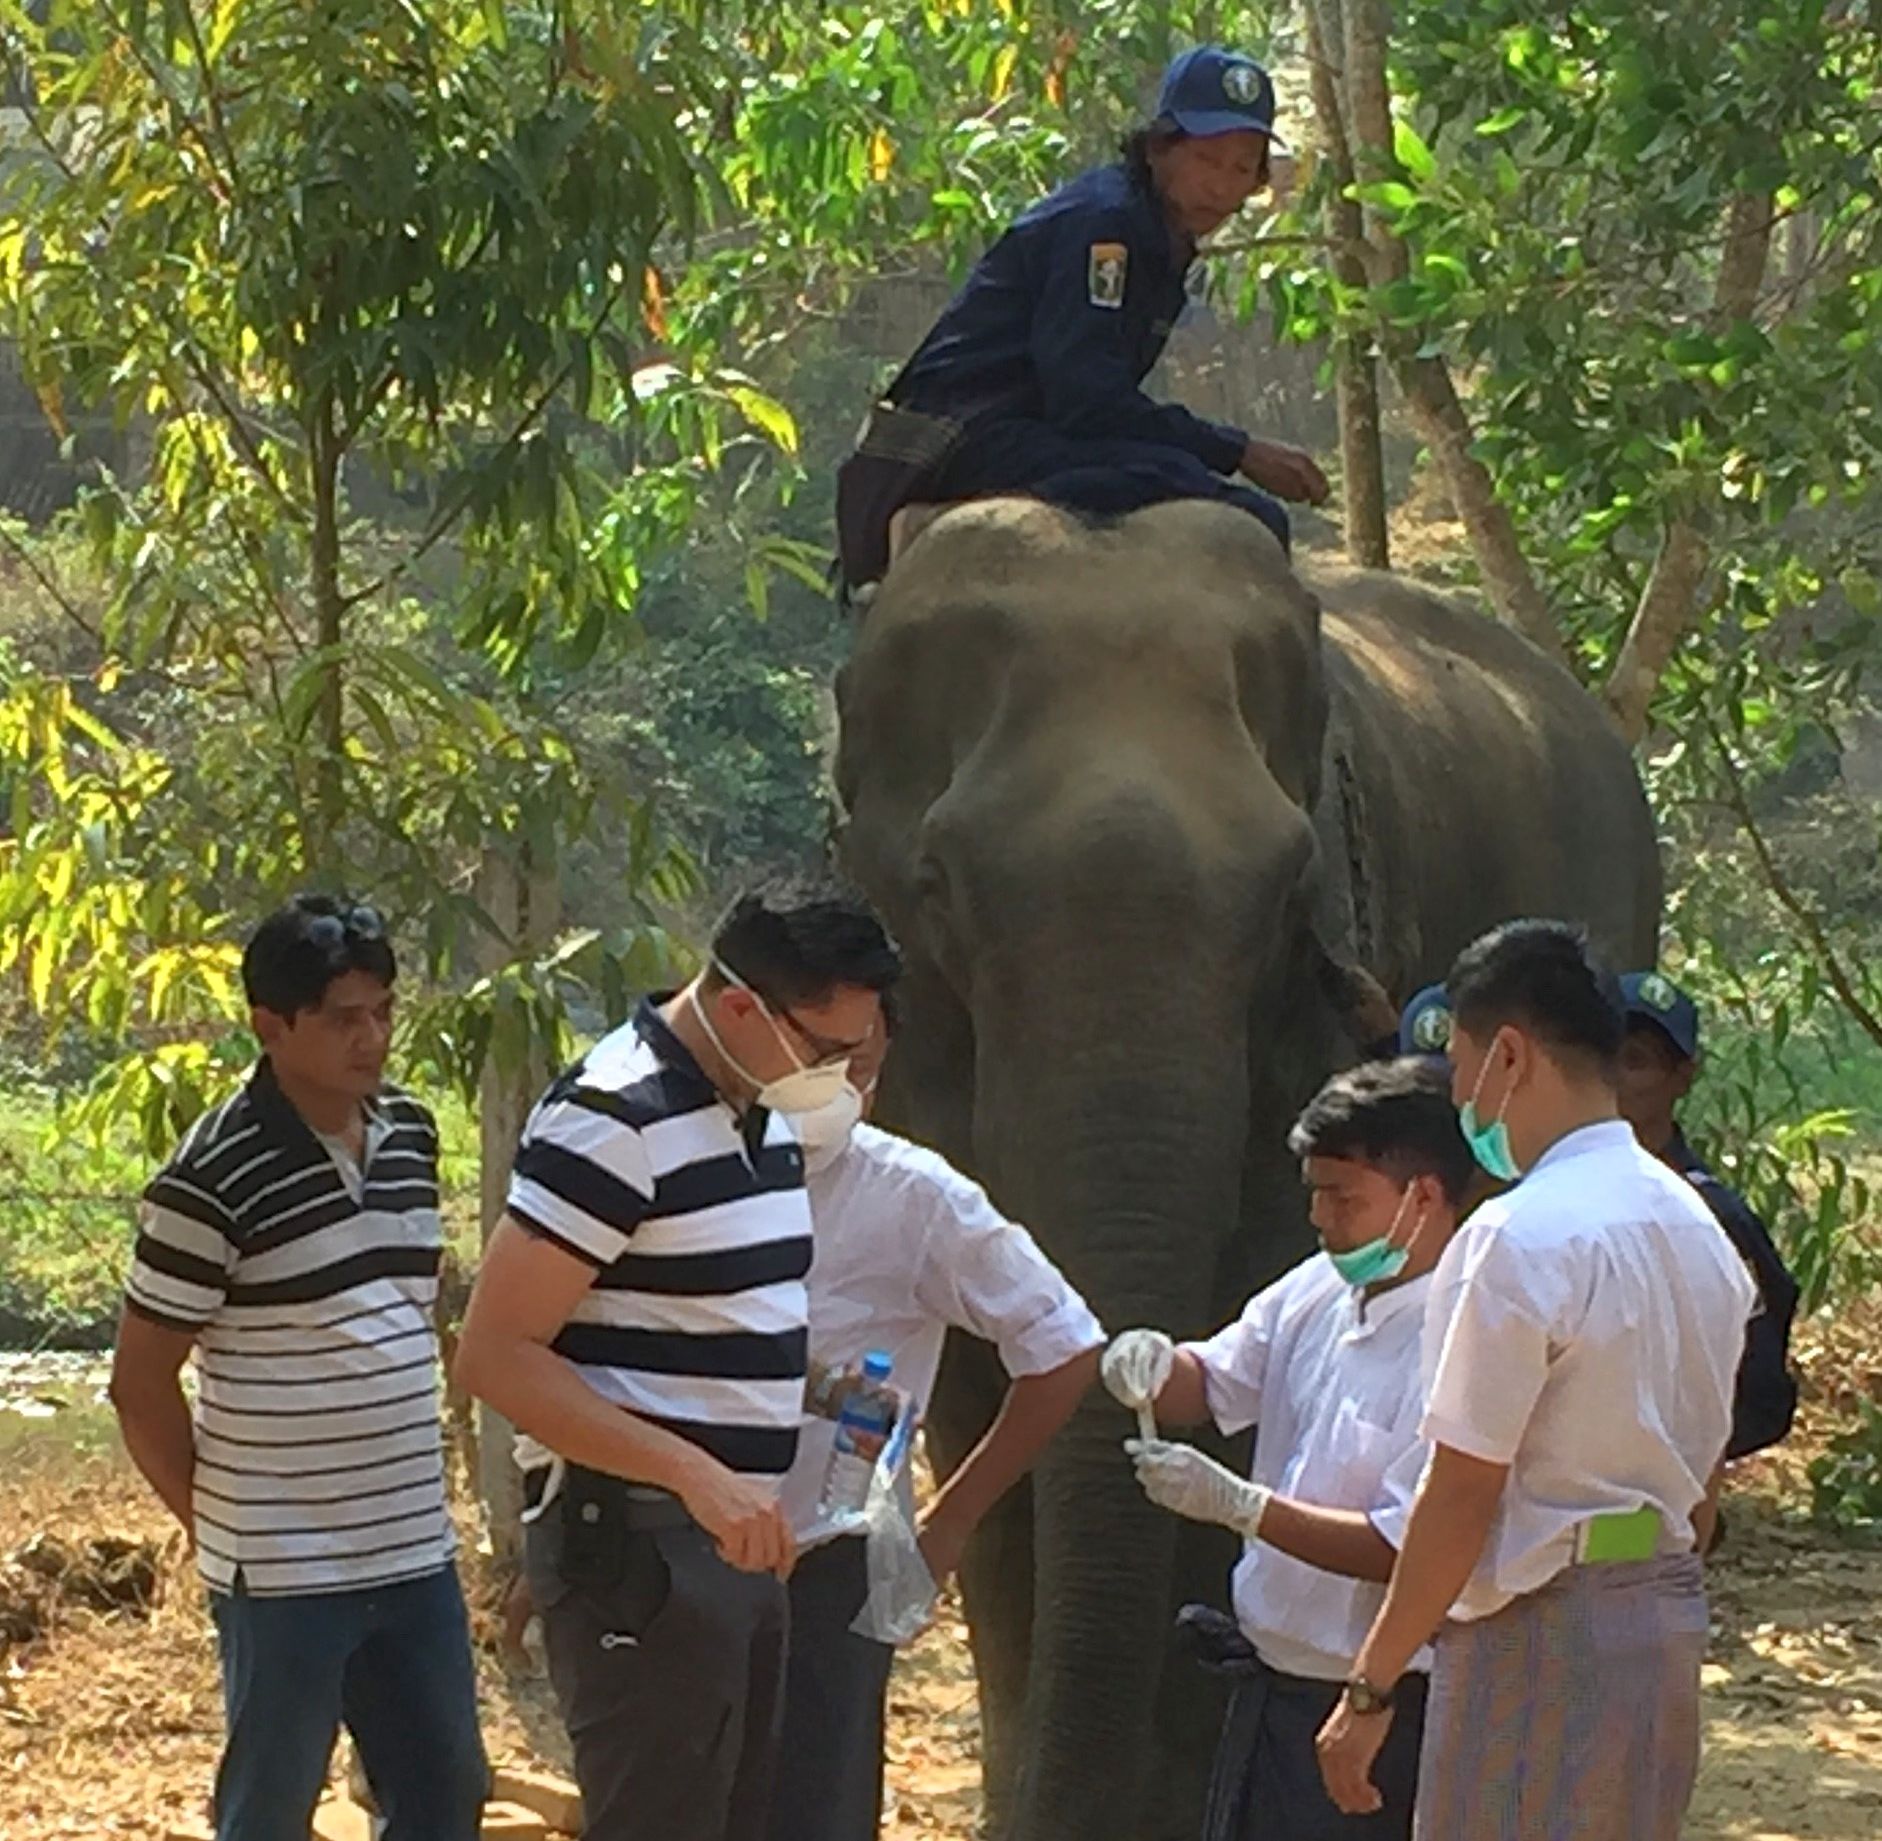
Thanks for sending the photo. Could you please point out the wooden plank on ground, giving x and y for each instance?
(342, 1819)
(512, 1822)
(553, 1798)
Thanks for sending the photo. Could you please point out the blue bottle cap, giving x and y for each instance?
(877, 1365)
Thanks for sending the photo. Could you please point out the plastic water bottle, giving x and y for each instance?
(862, 1429)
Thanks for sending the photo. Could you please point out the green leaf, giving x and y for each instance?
(1503, 120)
(1387, 194)
(1410, 151)
(767, 414)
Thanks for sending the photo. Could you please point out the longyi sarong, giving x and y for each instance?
(1266, 1783)
(1572, 1714)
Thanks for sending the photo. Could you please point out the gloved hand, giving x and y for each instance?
(1186, 1481)
(1137, 1366)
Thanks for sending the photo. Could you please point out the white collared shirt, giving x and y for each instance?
(1330, 1382)
(907, 1248)
(1585, 1329)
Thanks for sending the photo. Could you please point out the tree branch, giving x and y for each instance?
(1356, 370)
(1426, 382)
(1788, 898)
(458, 503)
(52, 588)
(1670, 601)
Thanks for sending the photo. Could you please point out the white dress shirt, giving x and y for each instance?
(1585, 1329)
(908, 1248)
(1329, 1380)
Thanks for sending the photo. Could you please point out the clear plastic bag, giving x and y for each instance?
(902, 1591)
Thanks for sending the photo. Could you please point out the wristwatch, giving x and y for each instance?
(1363, 1697)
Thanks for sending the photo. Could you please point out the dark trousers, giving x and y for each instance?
(1266, 1785)
(1097, 476)
(668, 1667)
(829, 1785)
(391, 1662)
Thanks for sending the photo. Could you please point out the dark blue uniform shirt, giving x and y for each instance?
(1766, 1398)
(1062, 320)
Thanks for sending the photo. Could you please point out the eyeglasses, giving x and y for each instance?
(823, 1048)
(355, 922)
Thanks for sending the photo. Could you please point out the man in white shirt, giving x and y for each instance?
(1324, 1363)
(907, 1248)
(1581, 1341)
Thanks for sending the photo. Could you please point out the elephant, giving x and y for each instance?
(1148, 811)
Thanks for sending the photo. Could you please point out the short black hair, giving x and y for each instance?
(1544, 978)
(795, 941)
(1396, 1116)
(301, 948)
(1147, 138)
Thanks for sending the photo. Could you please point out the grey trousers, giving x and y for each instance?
(668, 1667)
(829, 1782)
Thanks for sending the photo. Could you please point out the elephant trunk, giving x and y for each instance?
(1125, 1157)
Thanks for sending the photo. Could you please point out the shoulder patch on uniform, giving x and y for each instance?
(1105, 274)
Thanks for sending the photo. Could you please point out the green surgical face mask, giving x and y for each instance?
(1378, 1260)
(1489, 1144)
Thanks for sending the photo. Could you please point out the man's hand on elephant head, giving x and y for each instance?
(1188, 1482)
(1288, 472)
(1137, 1367)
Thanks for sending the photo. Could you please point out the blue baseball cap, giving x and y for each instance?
(1652, 997)
(1424, 1025)
(1212, 91)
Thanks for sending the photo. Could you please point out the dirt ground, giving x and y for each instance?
(110, 1719)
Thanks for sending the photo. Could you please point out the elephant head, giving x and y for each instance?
(1079, 768)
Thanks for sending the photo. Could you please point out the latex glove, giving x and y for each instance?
(1137, 1367)
(1188, 1482)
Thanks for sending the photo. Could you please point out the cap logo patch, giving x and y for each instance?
(1240, 83)
(1105, 274)
(1656, 991)
(1431, 1029)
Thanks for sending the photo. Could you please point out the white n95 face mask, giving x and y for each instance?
(825, 1132)
(804, 1089)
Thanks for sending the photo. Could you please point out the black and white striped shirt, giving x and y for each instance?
(319, 1461)
(698, 1227)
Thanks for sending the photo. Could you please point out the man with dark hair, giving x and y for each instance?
(641, 1318)
(1032, 379)
(1659, 1058)
(1581, 1338)
(1324, 1364)
(292, 1245)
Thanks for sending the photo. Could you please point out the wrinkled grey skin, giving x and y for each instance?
(1083, 772)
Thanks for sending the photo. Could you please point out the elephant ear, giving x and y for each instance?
(1367, 1014)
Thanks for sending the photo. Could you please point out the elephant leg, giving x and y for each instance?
(996, 1578)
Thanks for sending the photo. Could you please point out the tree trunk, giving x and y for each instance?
(1356, 371)
(1669, 603)
(524, 898)
(1443, 423)
(322, 845)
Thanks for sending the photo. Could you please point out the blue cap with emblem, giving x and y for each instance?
(1424, 1025)
(1210, 91)
(1652, 997)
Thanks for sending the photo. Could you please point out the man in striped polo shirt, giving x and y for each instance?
(292, 1245)
(641, 1318)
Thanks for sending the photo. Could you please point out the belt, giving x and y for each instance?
(644, 1510)
(1630, 1535)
